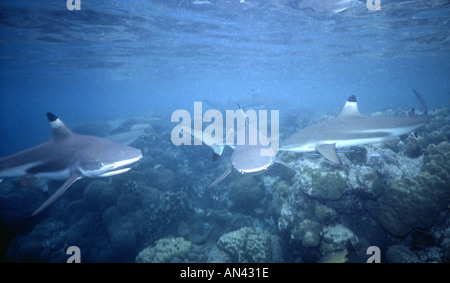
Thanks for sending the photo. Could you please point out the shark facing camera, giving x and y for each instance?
(253, 151)
(70, 157)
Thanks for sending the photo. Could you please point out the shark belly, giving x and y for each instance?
(17, 171)
(299, 148)
(355, 142)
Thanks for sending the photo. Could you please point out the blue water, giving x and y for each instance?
(116, 60)
(120, 59)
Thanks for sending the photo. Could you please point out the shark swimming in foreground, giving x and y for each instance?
(70, 157)
(351, 128)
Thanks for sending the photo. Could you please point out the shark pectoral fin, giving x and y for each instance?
(278, 160)
(329, 152)
(220, 178)
(56, 195)
(218, 150)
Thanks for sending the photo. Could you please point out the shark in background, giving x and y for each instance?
(70, 157)
(351, 128)
(246, 158)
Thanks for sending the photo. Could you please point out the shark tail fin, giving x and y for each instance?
(422, 102)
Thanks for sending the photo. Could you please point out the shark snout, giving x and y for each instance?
(121, 164)
(126, 162)
(118, 167)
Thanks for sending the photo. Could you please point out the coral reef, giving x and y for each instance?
(395, 197)
(171, 250)
(336, 237)
(320, 184)
(249, 246)
(401, 254)
(245, 193)
(416, 202)
(308, 232)
(324, 214)
(365, 179)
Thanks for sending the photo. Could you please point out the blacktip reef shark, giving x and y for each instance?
(351, 128)
(70, 157)
(246, 159)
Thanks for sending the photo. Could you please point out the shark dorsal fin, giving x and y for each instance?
(350, 108)
(60, 130)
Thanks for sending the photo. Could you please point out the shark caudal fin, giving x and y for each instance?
(422, 102)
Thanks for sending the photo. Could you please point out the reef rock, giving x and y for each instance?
(400, 254)
(170, 250)
(324, 214)
(249, 246)
(321, 184)
(365, 180)
(99, 195)
(245, 193)
(336, 237)
(308, 232)
(411, 203)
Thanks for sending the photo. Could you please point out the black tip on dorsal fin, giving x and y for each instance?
(352, 99)
(59, 129)
(51, 117)
(350, 108)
